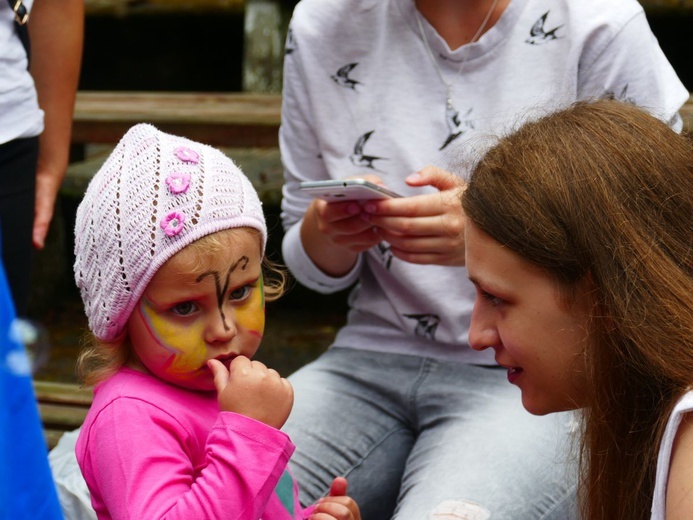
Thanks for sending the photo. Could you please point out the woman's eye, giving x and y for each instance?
(492, 299)
(184, 308)
(240, 293)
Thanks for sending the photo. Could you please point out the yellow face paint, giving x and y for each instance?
(251, 315)
(186, 345)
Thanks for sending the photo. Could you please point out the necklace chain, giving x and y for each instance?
(475, 38)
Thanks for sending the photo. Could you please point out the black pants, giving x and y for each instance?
(18, 161)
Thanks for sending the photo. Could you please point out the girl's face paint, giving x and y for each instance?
(187, 317)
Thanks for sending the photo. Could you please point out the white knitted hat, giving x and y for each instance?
(154, 195)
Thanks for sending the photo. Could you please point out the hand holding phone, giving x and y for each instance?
(346, 189)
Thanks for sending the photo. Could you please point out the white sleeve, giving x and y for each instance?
(300, 151)
(632, 66)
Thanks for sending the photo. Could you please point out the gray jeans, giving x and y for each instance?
(417, 438)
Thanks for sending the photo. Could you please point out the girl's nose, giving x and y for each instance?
(221, 328)
(482, 331)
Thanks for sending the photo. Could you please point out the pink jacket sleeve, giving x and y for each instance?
(142, 468)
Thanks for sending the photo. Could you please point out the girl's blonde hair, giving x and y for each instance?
(604, 189)
(99, 360)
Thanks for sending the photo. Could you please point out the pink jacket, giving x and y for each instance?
(151, 450)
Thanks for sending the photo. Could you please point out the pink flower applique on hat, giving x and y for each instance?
(178, 182)
(173, 223)
(187, 155)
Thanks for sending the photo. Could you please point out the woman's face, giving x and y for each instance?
(536, 334)
(200, 307)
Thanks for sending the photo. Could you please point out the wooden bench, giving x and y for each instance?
(219, 119)
(153, 7)
(244, 125)
(62, 406)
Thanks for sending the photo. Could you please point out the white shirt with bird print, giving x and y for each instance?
(362, 96)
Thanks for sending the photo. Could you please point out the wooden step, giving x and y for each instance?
(219, 119)
(62, 406)
(152, 7)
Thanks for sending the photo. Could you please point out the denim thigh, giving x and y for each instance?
(351, 418)
(413, 434)
(477, 449)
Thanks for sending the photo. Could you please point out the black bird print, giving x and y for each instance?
(623, 96)
(290, 45)
(358, 158)
(452, 118)
(342, 78)
(538, 35)
(426, 324)
(386, 256)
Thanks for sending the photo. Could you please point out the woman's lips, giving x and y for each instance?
(513, 374)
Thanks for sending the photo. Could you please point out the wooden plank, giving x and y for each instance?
(63, 407)
(667, 6)
(219, 119)
(58, 416)
(63, 393)
(52, 437)
(134, 7)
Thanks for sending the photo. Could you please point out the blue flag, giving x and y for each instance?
(27, 490)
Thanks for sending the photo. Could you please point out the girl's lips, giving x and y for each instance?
(225, 360)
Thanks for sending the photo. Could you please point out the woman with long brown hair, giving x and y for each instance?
(580, 245)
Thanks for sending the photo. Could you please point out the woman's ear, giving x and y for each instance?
(591, 295)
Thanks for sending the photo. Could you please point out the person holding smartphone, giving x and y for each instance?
(390, 90)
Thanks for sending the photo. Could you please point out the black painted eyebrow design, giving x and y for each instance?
(221, 289)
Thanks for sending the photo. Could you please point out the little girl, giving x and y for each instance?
(169, 245)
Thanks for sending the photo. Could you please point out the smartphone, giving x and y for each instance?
(346, 189)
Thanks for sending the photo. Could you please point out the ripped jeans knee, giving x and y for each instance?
(460, 510)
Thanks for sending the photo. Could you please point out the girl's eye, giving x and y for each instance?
(240, 293)
(184, 308)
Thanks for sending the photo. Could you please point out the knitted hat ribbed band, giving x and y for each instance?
(154, 195)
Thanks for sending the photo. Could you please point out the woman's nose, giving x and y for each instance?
(482, 331)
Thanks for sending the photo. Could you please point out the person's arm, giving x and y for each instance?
(139, 463)
(680, 485)
(322, 242)
(56, 29)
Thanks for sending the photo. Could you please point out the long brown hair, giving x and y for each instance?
(604, 189)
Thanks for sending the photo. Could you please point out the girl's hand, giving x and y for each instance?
(423, 229)
(250, 388)
(336, 506)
